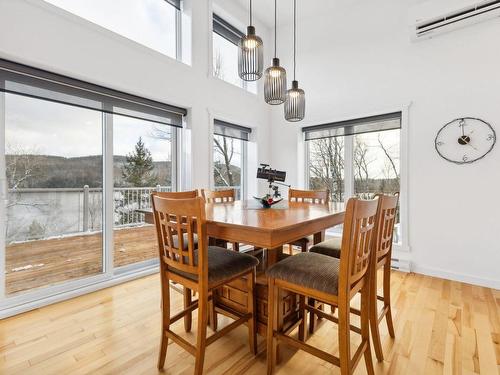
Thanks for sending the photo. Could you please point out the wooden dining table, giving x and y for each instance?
(247, 222)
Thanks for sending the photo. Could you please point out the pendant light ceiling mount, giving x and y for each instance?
(250, 54)
(275, 75)
(295, 103)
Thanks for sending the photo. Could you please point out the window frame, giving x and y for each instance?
(404, 244)
(178, 27)
(244, 156)
(110, 275)
(244, 84)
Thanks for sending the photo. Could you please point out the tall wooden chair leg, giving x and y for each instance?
(312, 318)
(344, 338)
(365, 328)
(373, 317)
(187, 302)
(165, 323)
(212, 318)
(303, 247)
(303, 318)
(387, 297)
(236, 246)
(252, 323)
(271, 321)
(201, 337)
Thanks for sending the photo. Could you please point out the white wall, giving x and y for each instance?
(358, 59)
(39, 34)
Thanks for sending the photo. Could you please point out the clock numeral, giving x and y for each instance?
(465, 158)
(439, 143)
(490, 137)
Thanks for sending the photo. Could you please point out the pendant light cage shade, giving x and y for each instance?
(275, 84)
(250, 56)
(295, 104)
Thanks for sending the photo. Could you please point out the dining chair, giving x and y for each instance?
(187, 293)
(308, 196)
(332, 281)
(385, 220)
(221, 196)
(201, 268)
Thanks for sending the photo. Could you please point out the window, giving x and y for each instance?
(229, 156)
(152, 23)
(53, 162)
(65, 175)
(366, 151)
(143, 158)
(225, 54)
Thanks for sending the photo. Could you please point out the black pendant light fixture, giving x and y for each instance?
(250, 54)
(275, 75)
(295, 103)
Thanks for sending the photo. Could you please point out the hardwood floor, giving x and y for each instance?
(442, 327)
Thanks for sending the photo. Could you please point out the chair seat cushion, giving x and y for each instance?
(175, 239)
(310, 270)
(223, 264)
(328, 247)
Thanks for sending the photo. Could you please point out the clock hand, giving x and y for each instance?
(468, 143)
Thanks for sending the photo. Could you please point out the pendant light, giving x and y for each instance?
(250, 54)
(295, 104)
(275, 75)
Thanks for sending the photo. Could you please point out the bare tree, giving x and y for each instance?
(326, 166)
(224, 147)
(218, 63)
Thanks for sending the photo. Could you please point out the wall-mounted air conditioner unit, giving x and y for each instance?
(436, 17)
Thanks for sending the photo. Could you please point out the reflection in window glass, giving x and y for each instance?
(142, 158)
(228, 163)
(54, 200)
(225, 63)
(149, 22)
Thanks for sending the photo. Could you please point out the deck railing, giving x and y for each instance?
(47, 212)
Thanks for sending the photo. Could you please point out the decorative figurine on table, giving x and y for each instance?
(274, 178)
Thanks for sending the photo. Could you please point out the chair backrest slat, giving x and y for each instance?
(308, 196)
(177, 221)
(357, 241)
(218, 196)
(386, 219)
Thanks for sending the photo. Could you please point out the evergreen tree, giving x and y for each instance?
(138, 171)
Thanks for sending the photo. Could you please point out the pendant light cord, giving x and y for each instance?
(275, 22)
(250, 12)
(294, 37)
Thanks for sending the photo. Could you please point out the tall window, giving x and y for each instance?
(70, 190)
(229, 156)
(225, 54)
(152, 23)
(143, 158)
(366, 151)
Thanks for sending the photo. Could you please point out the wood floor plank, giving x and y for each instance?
(442, 327)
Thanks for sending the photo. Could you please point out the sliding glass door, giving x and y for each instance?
(143, 162)
(53, 169)
(78, 164)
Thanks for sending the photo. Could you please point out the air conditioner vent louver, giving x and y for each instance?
(428, 26)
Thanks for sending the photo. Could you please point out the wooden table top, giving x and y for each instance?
(284, 215)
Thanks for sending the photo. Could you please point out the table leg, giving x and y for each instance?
(273, 255)
(319, 237)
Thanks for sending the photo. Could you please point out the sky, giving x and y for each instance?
(149, 22)
(47, 128)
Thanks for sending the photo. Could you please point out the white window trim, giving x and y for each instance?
(404, 246)
(72, 17)
(244, 151)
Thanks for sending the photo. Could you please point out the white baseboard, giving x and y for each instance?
(443, 274)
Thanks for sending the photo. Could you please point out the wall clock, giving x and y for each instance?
(465, 140)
